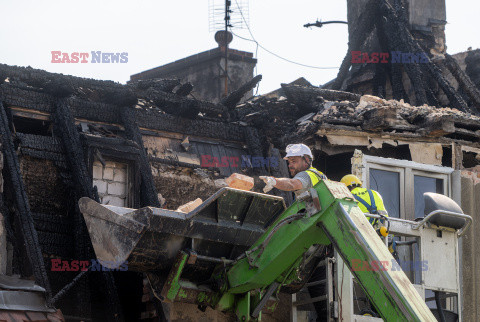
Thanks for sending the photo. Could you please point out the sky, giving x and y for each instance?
(154, 33)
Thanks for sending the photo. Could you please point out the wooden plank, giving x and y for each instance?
(225, 152)
(216, 152)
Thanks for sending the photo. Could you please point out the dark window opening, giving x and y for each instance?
(447, 157)
(470, 159)
(32, 126)
(333, 166)
(401, 152)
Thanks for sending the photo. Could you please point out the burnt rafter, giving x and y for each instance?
(149, 194)
(411, 45)
(62, 86)
(158, 91)
(463, 79)
(394, 35)
(309, 98)
(398, 41)
(184, 89)
(365, 27)
(65, 129)
(164, 85)
(27, 229)
(234, 98)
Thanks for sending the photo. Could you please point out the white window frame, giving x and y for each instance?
(407, 170)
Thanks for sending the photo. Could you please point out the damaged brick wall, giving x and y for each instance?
(111, 182)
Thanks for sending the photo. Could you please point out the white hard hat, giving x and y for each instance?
(298, 150)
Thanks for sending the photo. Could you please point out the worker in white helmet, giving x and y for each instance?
(299, 158)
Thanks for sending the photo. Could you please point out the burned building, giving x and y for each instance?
(147, 143)
(152, 143)
(66, 137)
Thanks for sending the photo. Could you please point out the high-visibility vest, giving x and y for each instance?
(369, 201)
(315, 175)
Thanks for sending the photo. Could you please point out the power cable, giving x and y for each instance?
(269, 51)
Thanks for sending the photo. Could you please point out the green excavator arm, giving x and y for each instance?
(327, 214)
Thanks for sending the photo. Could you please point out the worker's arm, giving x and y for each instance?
(284, 184)
(287, 184)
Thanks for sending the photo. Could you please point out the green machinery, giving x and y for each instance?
(247, 283)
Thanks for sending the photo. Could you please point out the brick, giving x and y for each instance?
(117, 188)
(108, 173)
(97, 171)
(240, 181)
(120, 165)
(110, 164)
(36, 316)
(120, 175)
(113, 201)
(190, 205)
(101, 186)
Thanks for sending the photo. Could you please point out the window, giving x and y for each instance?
(402, 184)
(422, 184)
(388, 184)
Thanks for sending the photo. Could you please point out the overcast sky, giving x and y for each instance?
(154, 33)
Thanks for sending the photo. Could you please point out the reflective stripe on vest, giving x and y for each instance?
(315, 175)
(372, 208)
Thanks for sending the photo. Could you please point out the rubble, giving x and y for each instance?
(283, 121)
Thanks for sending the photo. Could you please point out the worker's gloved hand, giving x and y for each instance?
(270, 183)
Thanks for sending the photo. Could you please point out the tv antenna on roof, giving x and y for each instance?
(222, 16)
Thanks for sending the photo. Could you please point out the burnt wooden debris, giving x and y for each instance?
(234, 98)
(149, 192)
(26, 227)
(464, 80)
(389, 23)
(66, 130)
(364, 28)
(282, 120)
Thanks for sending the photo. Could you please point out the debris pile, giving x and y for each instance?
(304, 110)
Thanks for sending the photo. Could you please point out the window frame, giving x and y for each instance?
(410, 169)
(122, 154)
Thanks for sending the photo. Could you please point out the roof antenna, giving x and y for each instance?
(222, 17)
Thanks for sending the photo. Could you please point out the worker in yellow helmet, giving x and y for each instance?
(369, 201)
(299, 158)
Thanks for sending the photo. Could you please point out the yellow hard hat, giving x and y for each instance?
(350, 180)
